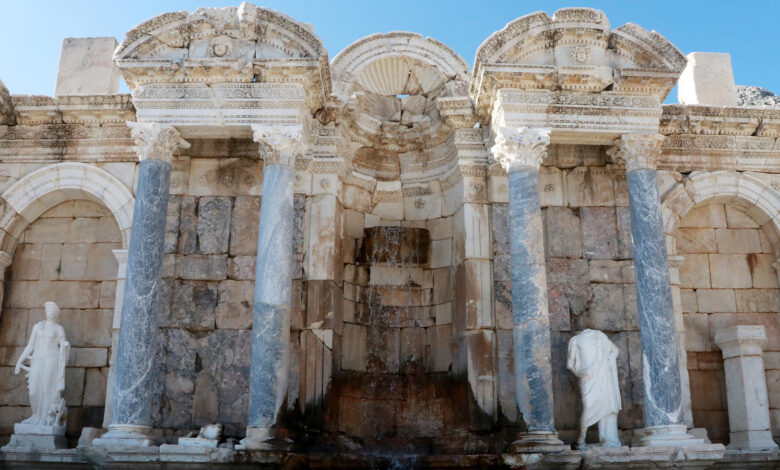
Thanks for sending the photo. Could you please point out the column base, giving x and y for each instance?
(671, 435)
(265, 439)
(537, 442)
(752, 440)
(36, 437)
(126, 435)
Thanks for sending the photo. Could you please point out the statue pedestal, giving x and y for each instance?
(37, 437)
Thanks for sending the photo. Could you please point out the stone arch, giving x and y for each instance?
(51, 185)
(746, 191)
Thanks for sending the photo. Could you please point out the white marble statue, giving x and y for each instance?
(593, 359)
(48, 352)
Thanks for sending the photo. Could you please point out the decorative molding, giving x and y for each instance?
(156, 141)
(520, 148)
(638, 151)
(284, 143)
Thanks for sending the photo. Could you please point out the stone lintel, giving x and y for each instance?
(596, 119)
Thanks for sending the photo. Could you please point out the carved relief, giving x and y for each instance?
(520, 148)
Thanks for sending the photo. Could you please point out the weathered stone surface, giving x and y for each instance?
(244, 225)
(193, 306)
(562, 233)
(599, 232)
(188, 225)
(213, 224)
(234, 305)
(201, 267)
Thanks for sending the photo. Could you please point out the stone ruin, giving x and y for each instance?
(268, 258)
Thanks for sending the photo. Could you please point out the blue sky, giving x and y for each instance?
(31, 32)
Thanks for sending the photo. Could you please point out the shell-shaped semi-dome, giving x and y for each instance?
(396, 63)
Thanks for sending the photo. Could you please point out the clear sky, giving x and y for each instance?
(31, 32)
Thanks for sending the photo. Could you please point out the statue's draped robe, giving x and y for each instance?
(593, 359)
(46, 377)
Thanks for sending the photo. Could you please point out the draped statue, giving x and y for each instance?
(593, 359)
(47, 352)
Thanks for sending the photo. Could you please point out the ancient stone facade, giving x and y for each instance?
(380, 259)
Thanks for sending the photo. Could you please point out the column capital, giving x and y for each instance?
(284, 142)
(156, 141)
(638, 151)
(741, 340)
(520, 147)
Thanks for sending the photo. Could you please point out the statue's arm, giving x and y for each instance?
(27, 351)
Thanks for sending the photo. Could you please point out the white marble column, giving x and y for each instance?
(746, 392)
(521, 152)
(281, 145)
(135, 357)
(664, 411)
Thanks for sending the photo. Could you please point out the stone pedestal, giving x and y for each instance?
(664, 411)
(746, 392)
(521, 151)
(273, 286)
(135, 360)
(36, 437)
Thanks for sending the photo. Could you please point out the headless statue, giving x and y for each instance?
(593, 359)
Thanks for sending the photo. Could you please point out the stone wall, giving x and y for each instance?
(726, 279)
(64, 256)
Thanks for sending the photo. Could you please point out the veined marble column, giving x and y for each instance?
(521, 151)
(273, 285)
(134, 369)
(664, 413)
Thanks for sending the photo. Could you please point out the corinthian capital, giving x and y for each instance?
(156, 141)
(638, 151)
(520, 147)
(284, 143)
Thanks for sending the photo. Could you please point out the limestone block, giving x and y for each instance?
(625, 238)
(14, 327)
(757, 300)
(234, 305)
(172, 224)
(605, 271)
(768, 320)
(354, 223)
(558, 306)
(689, 303)
(716, 300)
(88, 357)
(707, 216)
(225, 177)
(737, 240)
(192, 307)
(201, 267)
(736, 218)
(443, 285)
(562, 233)
(589, 186)
(695, 272)
(439, 229)
(707, 79)
(696, 240)
(101, 265)
(551, 187)
(498, 188)
(480, 355)
(27, 261)
(443, 313)
(356, 199)
(471, 230)
(564, 272)
(213, 224)
(412, 348)
(67, 294)
(505, 368)
(354, 355)
(88, 327)
(323, 256)
(763, 270)
(188, 225)
(95, 387)
(439, 340)
(501, 268)
(607, 310)
(74, 386)
(441, 253)
(599, 232)
(730, 271)
(87, 67)
(324, 307)
(499, 212)
(502, 293)
(697, 332)
(473, 284)
(14, 390)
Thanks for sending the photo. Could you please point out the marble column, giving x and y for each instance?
(119, 291)
(746, 392)
(273, 285)
(521, 151)
(135, 365)
(664, 413)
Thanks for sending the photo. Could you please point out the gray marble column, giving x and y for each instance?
(664, 413)
(273, 285)
(134, 369)
(521, 151)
